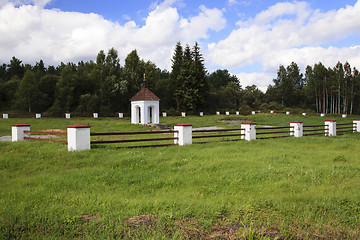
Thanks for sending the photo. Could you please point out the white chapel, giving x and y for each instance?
(145, 107)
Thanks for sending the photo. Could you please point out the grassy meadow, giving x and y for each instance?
(293, 188)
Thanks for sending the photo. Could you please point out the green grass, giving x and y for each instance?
(266, 189)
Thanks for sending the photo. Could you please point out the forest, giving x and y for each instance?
(105, 86)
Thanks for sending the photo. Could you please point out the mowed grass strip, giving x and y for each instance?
(296, 187)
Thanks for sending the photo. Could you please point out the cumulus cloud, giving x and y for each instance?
(31, 32)
(261, 80)
(286, 32)
(39, 3)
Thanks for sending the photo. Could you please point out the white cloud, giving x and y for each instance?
(261, 80)
(39, 3)
(286, 32)
(30, 33)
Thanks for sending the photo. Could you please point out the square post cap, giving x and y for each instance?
(183, 125)
(20, 125)
(79, 126)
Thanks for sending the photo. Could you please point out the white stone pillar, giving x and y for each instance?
(184, 134)
(217, 113)
(164, 114)
(253, 112)
(271, 111)
(344, 115)
(95, 115)
(287, 112)
(250, 130)
(5, 115)
(304, 114)
(78, 137)
(322, 115)
(67, 115)
(227, 113)
(297, 127)
(121, 115)
(143, 117)
(201, 114)
(17, 132)
(237, 113)
(356, 126)
(330, 128)
(183, 114)
(38, 115)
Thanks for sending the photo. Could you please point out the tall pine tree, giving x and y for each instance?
(175, 82)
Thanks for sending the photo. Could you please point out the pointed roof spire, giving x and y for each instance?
(144, 82)
(145, 94)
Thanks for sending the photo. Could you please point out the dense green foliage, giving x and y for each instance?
(304, 188)
(326, 90)
(105, 86)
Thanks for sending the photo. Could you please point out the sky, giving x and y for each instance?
(249, 38)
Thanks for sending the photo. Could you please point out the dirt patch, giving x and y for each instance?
(55, 131)
(88, 218)
(273, 233)
(5, 138)
(225, 232)
(190, 228)
(141, 221)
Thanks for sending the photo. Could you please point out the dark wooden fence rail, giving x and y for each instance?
(264, 131)
(348, 126)
(46, 133)
(315, 129)
(219, 135)
(135, 140)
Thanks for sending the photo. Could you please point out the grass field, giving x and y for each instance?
(304, 188)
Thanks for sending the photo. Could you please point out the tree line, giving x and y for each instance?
(323, 89)
(105, 86)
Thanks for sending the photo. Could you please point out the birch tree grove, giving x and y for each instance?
(332, 90)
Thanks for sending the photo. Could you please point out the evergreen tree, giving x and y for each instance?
(175, 83)
(201, 85)
(186, 91)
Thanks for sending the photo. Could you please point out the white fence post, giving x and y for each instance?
(5, 115)
(237, 113)
(67, 115)
(250, 130)
(184, 134)
(227, 113)
(38, 115)
(183, 114)
(121, 115)
(253, 112)
(356, 128)
(297, 127)
(201, 114)
(164, 114)
(78, 137)
(217, 113)
(287, 112)
(95, 115)
(17, 132)
(331, 128)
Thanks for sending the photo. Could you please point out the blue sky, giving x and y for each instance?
(250, 38)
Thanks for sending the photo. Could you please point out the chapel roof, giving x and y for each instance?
(145, 94)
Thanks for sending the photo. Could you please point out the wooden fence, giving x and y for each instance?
(156, 139)
(79, 136)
